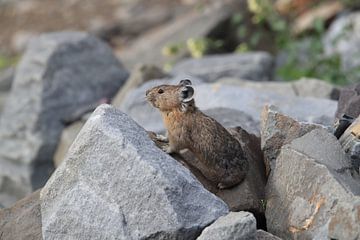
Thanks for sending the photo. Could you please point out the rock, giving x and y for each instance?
(262, 235)
(3, 97)
(234, 226)
(349, 102)
(311, 182)
(59, 74)
(277, 130)
(22, 220)
(343, 38)
(257, 66)
(350, 142)
(304, 87)
(141, 74)
(115, 182)
(218, 95)
(194, 24)
(67, 137)
(345, 222)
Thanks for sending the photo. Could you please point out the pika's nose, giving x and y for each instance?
(147, 92)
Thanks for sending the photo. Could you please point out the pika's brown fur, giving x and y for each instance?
(221, 158)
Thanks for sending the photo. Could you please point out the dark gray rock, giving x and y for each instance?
(6, 79)
(217, 95)
(262, 235)
(349, 102)
(257, 66)
(343, 38)
(310, 183)
(22, 220)
(277, 130)
(59, 74)
(116, 182)
(234, 226)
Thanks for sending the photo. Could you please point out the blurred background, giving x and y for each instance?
(297, 32)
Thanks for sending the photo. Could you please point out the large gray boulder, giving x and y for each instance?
(218, 95)
(343, 38)
(59, 74)
(311, 189)
(116, 182)
(234, 226)
(257, 66)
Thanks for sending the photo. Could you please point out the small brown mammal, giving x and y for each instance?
(221, 158)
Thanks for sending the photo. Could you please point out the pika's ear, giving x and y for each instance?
(187, 94)
(185, 82)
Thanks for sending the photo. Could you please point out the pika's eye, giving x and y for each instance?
(160, 91)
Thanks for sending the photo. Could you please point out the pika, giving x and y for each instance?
(221, 157)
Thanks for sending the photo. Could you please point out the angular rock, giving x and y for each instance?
(141, 74)
(262, 235)
(233, 226)
(278, 130)
(256, 66)
(349, 102)
(306, 191)
(22, 220)
(343, 38)
(217, 95)
(350, 142)
(59, 74)
(115, 182)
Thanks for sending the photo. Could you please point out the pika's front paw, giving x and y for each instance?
(167, 149)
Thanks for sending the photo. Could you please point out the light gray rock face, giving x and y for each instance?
(59, 74)
(234, 226)
(257, 66)
(277, 130)
(343, 38)
(116, 184)
(304, 87)
(311, 189)
(218, 95)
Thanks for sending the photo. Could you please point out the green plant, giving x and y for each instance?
(6, 61)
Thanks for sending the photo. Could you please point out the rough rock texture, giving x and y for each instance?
(304, 87)
(262, 235)
(217, 95)
(350, 142)
(115, 182)
(349, 102)
(312, 186)
(233, 226)
(148, 48)
(59, 74)
(22, 220)
(141, 74)
(343, 38)
(277, 130)
(257, 66)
